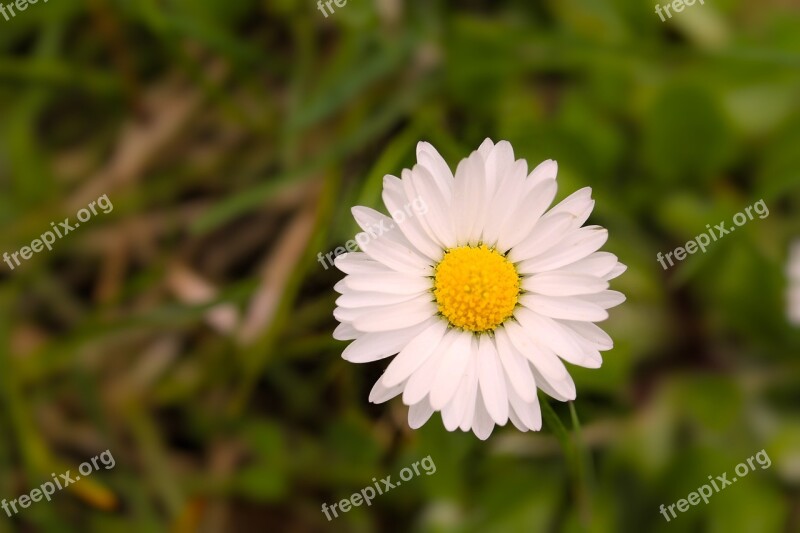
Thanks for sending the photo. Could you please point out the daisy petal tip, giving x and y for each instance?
(426, 147)
(347, 356)
(482, 435)
(337, 261)
(589, 362)
(546, 170)
(345, 332)
(616, 271)
(505, 145)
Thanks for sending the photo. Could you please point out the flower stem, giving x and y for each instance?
(577, 457)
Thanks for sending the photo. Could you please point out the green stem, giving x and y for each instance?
(583, 479)
(576, 456)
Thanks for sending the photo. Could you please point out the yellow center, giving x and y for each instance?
(477, 288)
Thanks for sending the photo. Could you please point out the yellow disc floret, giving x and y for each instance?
(476, 288)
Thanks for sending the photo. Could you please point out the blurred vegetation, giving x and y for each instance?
(189, 330)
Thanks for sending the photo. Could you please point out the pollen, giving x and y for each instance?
(476, 288)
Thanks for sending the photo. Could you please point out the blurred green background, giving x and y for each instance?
(189, 330)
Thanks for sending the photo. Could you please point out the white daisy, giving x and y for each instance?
(793, 272)
(481, 297)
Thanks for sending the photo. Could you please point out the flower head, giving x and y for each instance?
(480, 295)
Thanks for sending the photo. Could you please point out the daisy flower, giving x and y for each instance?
(481, 297)
(793, 272)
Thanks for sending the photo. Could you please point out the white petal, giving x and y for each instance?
(528, 213)
(355, 299)
(504, 202)
(380, 393)
(559, 283)
(543, 359)
(592, 333)
(359, 263)
(596, 264)
(453, 412)
(515, 365)
(605, 299)
(373, 346)
(563, 307)
(415, 353)
(396, 316)
(562, 390)
(377, 225)
(482, 425)
(395, 199)
(617, 271)
(410, 219)
(346, 314)
(574, 247)
(486, 148)
(591, 359)
(389, 282)
(419, 384)
(468, 209)
(497, 165)
(369, 347)
(345, 332)
(341, 287)
(396, 230)
(528, 414)
(411, 193)
(395, 256)
(429, 157)
(491, 381)
(419, 413)
(451, 371)
(546, 234)
(546, 170)
(436, 218)
(472, 394)
(387, 317)
(550, 334)
(516, 421)
(579, 204)
(583, 216)
(450, 417)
